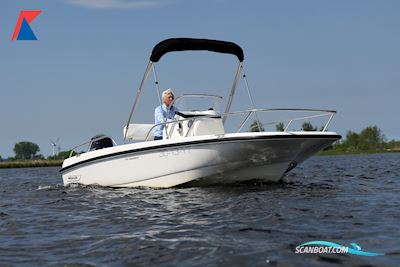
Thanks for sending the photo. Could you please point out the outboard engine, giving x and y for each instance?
(100, 141)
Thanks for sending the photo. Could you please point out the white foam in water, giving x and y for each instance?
(48, 187)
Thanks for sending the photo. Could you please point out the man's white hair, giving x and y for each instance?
(169, 90)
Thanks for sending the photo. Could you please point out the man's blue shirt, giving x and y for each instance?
(160, 114)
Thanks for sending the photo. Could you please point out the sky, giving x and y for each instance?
(81, 75)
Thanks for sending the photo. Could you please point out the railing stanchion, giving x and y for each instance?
(287, 126)
(329, 121)
(245, 120)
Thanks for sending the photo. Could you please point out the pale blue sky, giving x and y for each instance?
(80, 77)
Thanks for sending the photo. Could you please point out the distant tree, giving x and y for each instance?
(61, 155)
(1, 159)
(280, 127)
(25, 150)
(254, 127)
(372, 138)
(307, 126)
(352, 141)
(38, 157)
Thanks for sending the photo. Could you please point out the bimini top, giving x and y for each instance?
(183, 44)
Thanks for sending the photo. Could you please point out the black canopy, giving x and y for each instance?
(182, 44)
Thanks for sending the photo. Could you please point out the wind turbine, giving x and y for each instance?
(54, 145)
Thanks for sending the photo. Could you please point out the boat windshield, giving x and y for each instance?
(198, 102)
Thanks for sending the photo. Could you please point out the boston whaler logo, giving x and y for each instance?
(314, 247)
(73, 178)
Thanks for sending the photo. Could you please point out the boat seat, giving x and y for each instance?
(139, 131)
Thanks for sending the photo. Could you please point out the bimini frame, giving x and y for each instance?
(186, 44)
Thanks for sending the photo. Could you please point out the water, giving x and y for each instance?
(342, 199)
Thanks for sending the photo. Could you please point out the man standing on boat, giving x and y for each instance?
(164, 113)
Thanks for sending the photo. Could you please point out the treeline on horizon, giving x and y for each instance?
(368, 140)
(28, 151)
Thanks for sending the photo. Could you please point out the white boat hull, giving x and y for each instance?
(201, 160)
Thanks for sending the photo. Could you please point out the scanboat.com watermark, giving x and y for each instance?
(320, 247)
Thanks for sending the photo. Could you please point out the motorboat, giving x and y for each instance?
(198, 147)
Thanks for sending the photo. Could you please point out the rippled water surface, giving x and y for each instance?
(341, 199)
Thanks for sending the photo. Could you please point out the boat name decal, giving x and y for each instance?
(174, 152)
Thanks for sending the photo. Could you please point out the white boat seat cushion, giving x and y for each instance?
(137, 131)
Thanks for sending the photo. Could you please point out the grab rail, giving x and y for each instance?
(249, 112)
